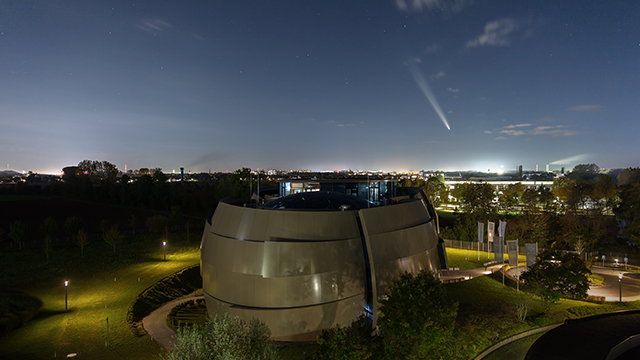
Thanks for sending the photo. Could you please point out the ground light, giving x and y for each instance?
(620, 281)
(164, 250)
(66, 285)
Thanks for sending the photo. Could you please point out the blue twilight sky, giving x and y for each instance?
(320, 85)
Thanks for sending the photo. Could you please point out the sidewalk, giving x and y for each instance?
(448, 276)
(155, 324)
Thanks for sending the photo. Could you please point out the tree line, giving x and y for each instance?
(584, 209)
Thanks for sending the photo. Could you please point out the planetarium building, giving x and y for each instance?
(308, 261)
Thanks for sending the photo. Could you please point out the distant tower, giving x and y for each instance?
(181, 174)
(125, 168)
(562, 170)
(520, 172)
(547, 167)
(537, 168)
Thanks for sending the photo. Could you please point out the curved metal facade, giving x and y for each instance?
(304, 271)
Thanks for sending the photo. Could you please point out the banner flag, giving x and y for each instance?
(480, 232)
(531, 250)
(498, 249)
(512, 250)
(502, 231)
(491, 228)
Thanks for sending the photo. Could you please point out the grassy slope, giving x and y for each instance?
(93, 295)
(486, 311)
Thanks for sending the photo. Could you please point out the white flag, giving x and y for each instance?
(503, 228)
(491, 228)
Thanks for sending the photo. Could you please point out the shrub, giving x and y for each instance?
(223, 337)
(416, 317)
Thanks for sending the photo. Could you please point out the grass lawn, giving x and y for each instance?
(101, 285)
(487, 309)
(471, 259)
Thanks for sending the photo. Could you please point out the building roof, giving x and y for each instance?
(319, 200)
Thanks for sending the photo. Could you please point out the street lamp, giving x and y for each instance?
(66, 285)
(620, 281)
(164, 250)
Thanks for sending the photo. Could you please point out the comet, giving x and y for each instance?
(424, 86)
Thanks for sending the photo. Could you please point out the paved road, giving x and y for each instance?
(155, 324)
(611, 288)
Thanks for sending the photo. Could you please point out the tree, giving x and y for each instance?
(159, 176)
(133, 223)
(157, 224)
(628, 210)
(81, 240)
(240, 182)
(223, 337)
(511, 196)
(345, 343)
(174, 217)
(112, 236)
(604, 193)
(416, 316)
(71, 226)
(18, 232)
(98, 171)
(561, 187)
(584, 172)
(49, 229)
(557, 274)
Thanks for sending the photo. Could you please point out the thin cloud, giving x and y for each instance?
(442, 5)
(438, 75)
(153, 26)
(548, 130)
(586, 108)
(433, 48)
(559, 131)
(518, 126)
(501, 138)
(496, 33)
(453, 90)
(513, 132)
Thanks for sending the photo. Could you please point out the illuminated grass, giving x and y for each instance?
(486, 312)
(101, 286)
(468, 259)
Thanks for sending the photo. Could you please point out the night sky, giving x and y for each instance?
(320, 85)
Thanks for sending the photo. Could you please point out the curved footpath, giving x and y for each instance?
(155, 324)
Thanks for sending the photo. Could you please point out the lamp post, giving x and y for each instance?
(164, 250)
(620, 281)
(66, 284)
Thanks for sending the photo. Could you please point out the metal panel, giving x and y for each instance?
(304, 271)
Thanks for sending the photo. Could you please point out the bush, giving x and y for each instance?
(416, 317)
(344, 343)
(223, 337)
